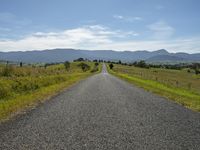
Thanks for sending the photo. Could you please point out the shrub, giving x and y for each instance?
(141, 64)
(197, 71)
(95, 69)
(79, 59)
(67, 65)
(111, 66)
(96, 64)
(84, 66)
(20, 64)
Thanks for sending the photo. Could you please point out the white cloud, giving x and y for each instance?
(127, 18)
(161, 30)
(87, 37)
(97, 37)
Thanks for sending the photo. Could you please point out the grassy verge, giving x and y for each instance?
(28, 91)
(184, 97)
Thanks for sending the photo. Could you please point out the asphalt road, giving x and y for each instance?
(104, 112)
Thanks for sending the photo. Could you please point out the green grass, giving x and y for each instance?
(161, 83)
(28, 86)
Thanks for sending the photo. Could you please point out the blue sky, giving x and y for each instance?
(100, 24)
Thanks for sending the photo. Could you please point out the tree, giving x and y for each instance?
(197, 71)
(67, 65)
(20, 64)
(141, 64)
(79, 59)
(84, 66)
(111, 66)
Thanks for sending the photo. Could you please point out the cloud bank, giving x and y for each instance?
(98, 37)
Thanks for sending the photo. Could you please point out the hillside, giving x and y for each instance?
(60, 55)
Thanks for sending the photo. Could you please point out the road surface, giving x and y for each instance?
(104, 112)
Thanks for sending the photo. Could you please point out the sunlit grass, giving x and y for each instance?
(29, 85)
(182, 94)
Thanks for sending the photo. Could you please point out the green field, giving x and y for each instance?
(26, 86)
(177, 85)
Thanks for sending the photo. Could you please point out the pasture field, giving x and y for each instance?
(179, 85)
(26, 86)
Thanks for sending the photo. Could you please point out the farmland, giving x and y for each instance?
(179, 85)
(25, 86)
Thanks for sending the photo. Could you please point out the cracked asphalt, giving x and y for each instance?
(103, 112)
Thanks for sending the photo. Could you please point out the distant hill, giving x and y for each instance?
(166, 58)
(60, 55)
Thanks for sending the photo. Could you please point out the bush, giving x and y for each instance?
(197, 71)
(141, 64)
(79, 59)
(111, 66)
(67, 65)
(84, 66)
(95, 69)
(20, 64)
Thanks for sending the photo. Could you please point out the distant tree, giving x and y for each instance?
(111, 66)
(67, 65)
(45, 66)
(96, 64)
(95, 68)
(20, 64)
(135, 63)
(84, 66)
(129, 64)
(141, 64)
(196, 67)
(197, 71)
(79, 59)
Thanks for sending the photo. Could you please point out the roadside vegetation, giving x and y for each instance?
(180, 83)
(25, 85)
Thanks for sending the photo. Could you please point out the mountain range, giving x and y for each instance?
(61, 55)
